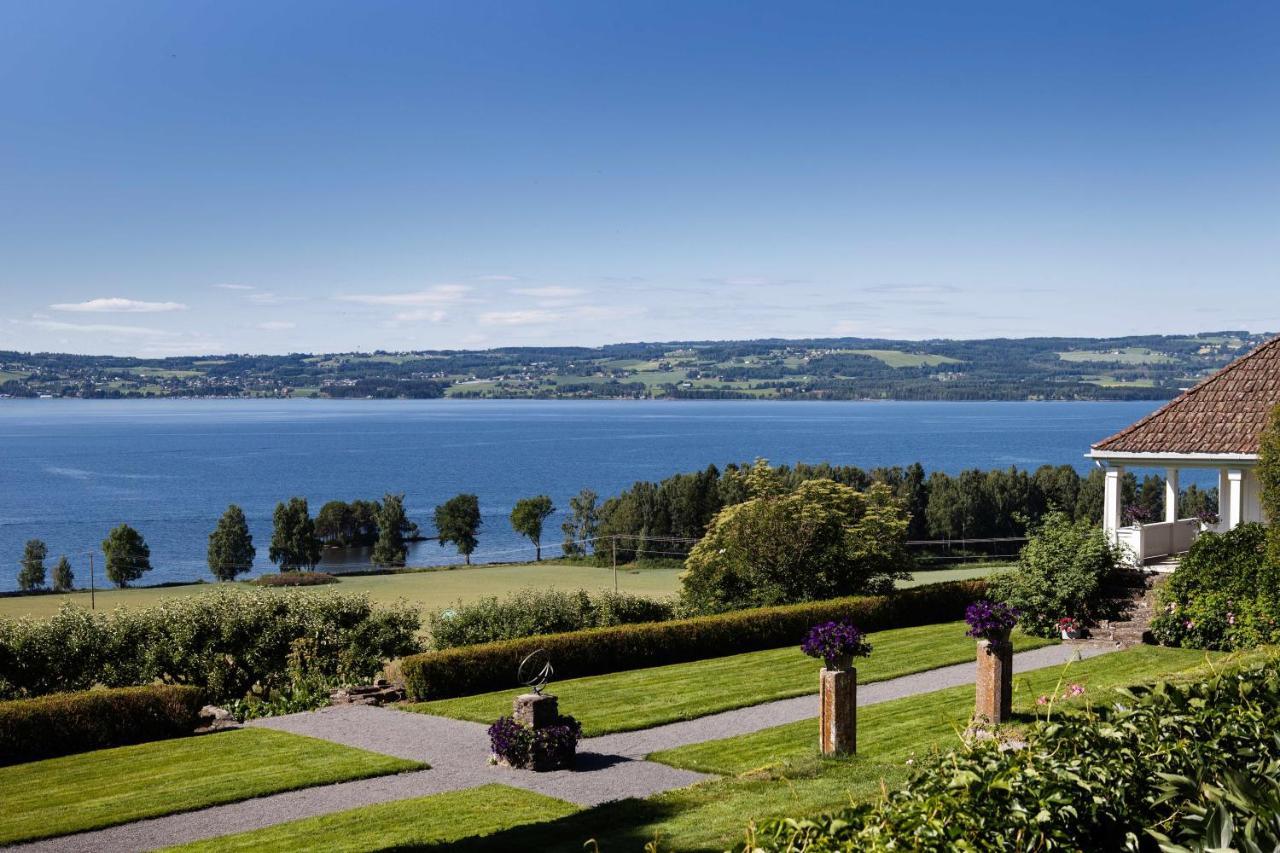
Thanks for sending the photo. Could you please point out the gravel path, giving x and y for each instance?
(611, 767)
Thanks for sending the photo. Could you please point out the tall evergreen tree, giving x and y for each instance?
(127, 555)
(294, 544)
(527, 519)
(458, 521)
(31, 574)
(64, 580)
(390, 549)
(231, 550)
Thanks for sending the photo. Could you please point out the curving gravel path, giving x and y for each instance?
(609, 768)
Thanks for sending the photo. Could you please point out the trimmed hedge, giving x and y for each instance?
(63, 723)
(492, 666)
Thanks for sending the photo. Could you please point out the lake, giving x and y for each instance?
(72, 469)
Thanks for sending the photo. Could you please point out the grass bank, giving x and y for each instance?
(106, 787)
(641, 698)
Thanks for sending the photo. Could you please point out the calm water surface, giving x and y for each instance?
(72, 469)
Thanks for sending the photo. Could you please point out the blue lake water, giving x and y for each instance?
(72, 469)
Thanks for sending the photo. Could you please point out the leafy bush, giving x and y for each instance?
(492, 666)
(1160, 762)
(530, 612)
(1225, 594)
(228, 641)
(31, 729)
(819, 541)
(1061, 572)
(544, 748)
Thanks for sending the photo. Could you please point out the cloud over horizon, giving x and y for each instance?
(118, 305)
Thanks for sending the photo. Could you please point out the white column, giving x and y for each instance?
(1111, 501)
(1224, 499)
(1171, 494)
(1235, 491)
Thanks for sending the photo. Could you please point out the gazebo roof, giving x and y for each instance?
(1224, 414)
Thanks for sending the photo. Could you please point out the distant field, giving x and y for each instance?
(1128, 355)
(440, 588)
(896, 358)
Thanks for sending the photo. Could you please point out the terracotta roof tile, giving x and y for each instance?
(1223, 414)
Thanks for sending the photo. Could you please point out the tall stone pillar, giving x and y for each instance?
(1111, 501)
(994, 702)
(1235, 487)
(838, 717)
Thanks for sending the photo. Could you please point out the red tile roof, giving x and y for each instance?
(1223, 414)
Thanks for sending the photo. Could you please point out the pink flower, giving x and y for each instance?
(1074, 690)
(1172, 608)
(1231, 618)
(1042, 700)
(1188, 624)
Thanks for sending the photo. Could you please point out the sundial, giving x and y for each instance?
(535, 670)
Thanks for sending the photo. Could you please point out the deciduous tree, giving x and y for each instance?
(458, 521)
(580, 529)
(127, 555)
(64, 579)
(294, 544)
(31, 573)
(527, 518)
(231, 550)
(390, 549)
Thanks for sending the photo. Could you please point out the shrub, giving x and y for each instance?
(294, 579)
(31, 729)
(228, 641)
(819, 541)
(492, 666)
(1225, 594)
(529, 612)
(1061, 572)
(1111, 780)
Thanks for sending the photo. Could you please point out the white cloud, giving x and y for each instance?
(234, 286)
(277, 325)
(441, 293)
(268, 298)
(913, 289)
(497, 278)
(100, 329)
(752, 281)
(118, 305)
(419, 315)
(533, 317)
(550, 292)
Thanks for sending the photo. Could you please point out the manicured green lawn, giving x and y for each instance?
(433, 820)
(112, 786)
(640, 698)
(777, 771)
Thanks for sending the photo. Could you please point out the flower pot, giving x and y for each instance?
(842, 663)
(1072, 633)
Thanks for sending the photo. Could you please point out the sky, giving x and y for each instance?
(270, 177)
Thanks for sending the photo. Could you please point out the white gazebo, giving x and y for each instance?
(1215, 425)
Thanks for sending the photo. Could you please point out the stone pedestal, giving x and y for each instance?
(536, 710)
(994, 703)
(838, 717)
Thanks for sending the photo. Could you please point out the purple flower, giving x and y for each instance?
(522, 746)
(834, 640)
(990, 620)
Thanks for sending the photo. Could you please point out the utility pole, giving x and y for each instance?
(614, 539)
(92, 593)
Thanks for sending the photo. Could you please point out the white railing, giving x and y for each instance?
(1164, 538)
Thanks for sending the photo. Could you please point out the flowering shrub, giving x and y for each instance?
(989, 620)
(546, 748)
(834, 640)
(1224, 594)
(1137, 514)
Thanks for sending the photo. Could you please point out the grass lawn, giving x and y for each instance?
(1128, 355)
(113, 786)
(438, 588)
(897, 358)
(640, 698)
(778, 772)
(406, 824)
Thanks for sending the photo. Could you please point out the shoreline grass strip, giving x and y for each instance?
(108, 787)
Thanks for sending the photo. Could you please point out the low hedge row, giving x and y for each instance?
(492, 666)
(63, 723)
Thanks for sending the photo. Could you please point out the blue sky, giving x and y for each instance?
(271, 177)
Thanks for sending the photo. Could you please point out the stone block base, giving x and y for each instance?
(994, 703)
(838, 717)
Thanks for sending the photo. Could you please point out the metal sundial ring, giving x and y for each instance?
(536, 670)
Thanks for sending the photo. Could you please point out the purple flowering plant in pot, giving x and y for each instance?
(990, 620)
(548, 748)
(836, 643)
